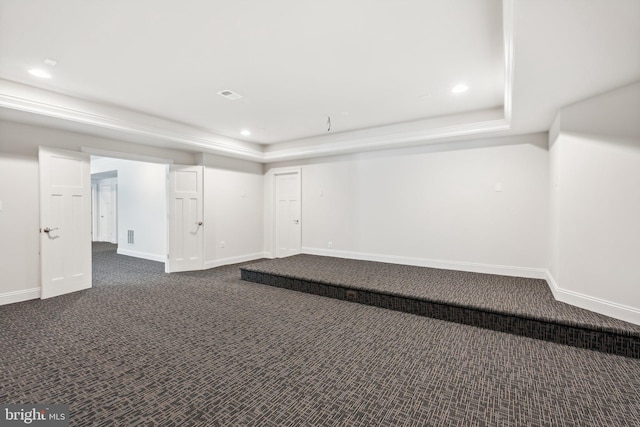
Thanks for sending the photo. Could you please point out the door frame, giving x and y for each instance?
(137, 158)
(271, 208)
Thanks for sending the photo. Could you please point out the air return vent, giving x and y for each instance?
(230, 95)
(130, 239)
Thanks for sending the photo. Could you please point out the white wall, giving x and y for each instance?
(19, 223)
(19, 218)
(434, 205)
(141, 206)
(234, 209)
(595, 204)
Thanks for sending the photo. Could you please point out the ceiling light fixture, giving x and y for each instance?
(245, 132)
(460, 88)
(39, 73)
(230, 95)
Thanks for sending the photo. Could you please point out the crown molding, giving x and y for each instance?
(23, 98)
(508, 17)
(134, 126)
(378, 139)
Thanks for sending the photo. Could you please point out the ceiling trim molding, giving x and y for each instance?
(370, 142)
(508, 17)
(44, 103)
(210, 142)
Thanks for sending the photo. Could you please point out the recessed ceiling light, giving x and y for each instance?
(229, 94)
(245, 132)
(39, 73)
(460, 88)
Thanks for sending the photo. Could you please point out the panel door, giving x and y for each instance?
(65, 221)
(287, 215)
(186, 227)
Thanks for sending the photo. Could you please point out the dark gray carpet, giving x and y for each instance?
(206, 349)
(529, 298)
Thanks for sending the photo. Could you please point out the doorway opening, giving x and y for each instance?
(142, 206)
(129, 206)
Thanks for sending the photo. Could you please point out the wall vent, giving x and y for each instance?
(130, 237)
(230, 95)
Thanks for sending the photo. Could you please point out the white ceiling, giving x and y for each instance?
(149, 70)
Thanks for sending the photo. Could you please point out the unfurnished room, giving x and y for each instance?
(320, 213)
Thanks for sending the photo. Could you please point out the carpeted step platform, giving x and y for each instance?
(513, 305)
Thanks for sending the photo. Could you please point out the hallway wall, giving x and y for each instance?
(142, 206)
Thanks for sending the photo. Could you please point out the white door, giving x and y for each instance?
(186, 228)
(65, 222)
(287, 215)
(107, 215)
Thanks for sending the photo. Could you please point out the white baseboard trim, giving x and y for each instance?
(502, 270)
(234, 260)
(598, 305)
(143, 255)
(19, 296)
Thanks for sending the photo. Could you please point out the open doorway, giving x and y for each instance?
(130, 206)
(138, 197)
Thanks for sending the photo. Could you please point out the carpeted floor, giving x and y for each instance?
(146, 348)
(529, 298)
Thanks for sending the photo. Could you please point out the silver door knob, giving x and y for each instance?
(47, 229)
(296, 221)
(199, 222)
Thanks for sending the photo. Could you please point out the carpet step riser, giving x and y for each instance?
(546, 331)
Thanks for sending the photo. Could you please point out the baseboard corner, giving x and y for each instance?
(598, 305)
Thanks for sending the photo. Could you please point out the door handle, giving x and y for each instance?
(47, 229)
(296, 221)
(199, 223)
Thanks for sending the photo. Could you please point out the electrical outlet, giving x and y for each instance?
(330, 245)
(222, 244)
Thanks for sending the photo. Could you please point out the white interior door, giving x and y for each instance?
(287, 214)
(65, 222)
(107, 213)
(186, 228)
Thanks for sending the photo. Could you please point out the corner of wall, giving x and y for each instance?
(598, 305)
(554, 130)
(590, 163)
